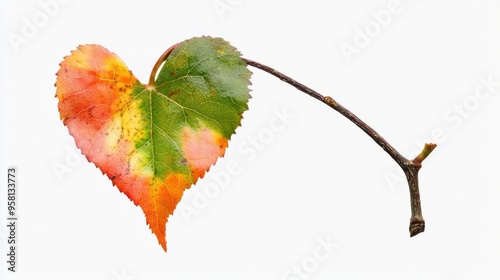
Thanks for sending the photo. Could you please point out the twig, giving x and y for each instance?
(410, 167)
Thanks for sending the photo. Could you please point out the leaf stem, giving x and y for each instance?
(410, 167)
(159, 62)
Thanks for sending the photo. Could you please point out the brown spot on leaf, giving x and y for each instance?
(173, 93)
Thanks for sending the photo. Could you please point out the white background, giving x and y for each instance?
(314, 177)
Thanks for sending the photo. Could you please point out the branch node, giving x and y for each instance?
(329, 101)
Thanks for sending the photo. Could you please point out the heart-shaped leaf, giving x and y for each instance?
(154, 141)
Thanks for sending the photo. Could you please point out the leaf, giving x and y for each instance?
(154, 141)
